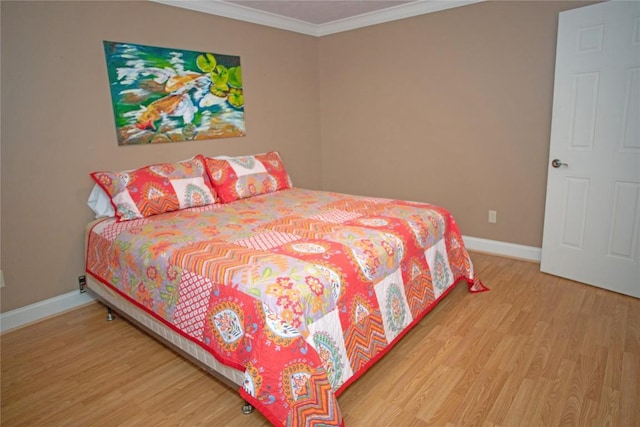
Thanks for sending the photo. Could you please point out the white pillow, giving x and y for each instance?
(100, 203)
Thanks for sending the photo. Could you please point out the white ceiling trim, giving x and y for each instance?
(242, 13)
(391, 14)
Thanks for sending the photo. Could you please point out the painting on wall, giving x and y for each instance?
(169, 95)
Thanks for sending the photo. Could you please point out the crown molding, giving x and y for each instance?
(242, 13)
(395, 13)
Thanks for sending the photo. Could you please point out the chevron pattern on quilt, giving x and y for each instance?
(216, 260)
(365, 337)
(319, 406)
(307, 228)
(419, 289)
(370, 206)
(96, 260)
(458, 257)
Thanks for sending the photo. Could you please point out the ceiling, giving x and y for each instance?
(317, 17)
(319, 12)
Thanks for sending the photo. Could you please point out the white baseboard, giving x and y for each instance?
(529, 253)
(32, 313)
(41, 310)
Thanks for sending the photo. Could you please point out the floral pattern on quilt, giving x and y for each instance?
(302, 290)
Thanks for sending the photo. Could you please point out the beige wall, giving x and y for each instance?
(452, 107)
(57, 122)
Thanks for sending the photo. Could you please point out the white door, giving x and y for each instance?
(592, 213)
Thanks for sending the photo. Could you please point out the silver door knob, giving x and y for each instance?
(556, 163)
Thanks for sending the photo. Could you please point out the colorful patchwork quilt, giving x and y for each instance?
(301, 290)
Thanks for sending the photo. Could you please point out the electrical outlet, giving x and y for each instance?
(1, 279)
(493, 217)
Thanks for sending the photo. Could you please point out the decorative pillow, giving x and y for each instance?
(157, 189)
(240, 177)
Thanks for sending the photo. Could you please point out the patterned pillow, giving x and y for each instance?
(240, 177)
(156, 189)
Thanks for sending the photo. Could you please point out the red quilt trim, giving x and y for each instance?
(476, 286)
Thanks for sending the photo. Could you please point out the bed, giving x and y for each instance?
(287, 294)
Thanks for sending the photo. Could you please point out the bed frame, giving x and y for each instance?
(231, 377)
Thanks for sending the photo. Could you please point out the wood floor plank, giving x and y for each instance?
(630, 389)
(536, 350)
(608, 407)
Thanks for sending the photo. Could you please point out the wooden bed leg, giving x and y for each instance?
(110, 315)
(247, 408)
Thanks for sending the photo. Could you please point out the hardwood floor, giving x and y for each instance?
(535, 350)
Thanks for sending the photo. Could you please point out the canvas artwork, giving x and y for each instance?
(168, 95)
